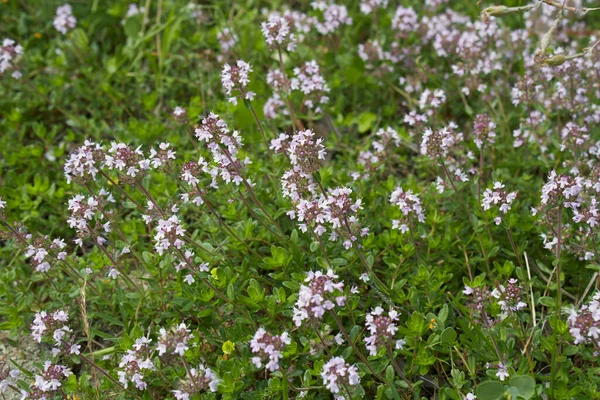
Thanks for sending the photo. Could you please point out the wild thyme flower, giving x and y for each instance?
(8, 378)
(174, 341)
(214, 131)
(498, 197)
(483, 130)
(309, 213)
(274, 106)
(295, 184)
(509, 297)
(169, 233)
(161, 158)
(334, 17)
(235, 78)
(368, 6)
(133, 10)
(308, 80)
(561, 188)
(584, 324)
(40, 252)
(83, 163)
(224, 146)
(574, 137)
(502, 373)
(431, 100)
(410, 206)
(10, 52)
(198, 380)
(405, 20)
(136, 363)
(305, 151)
(64, 20)
(382, 328)
(278, 81)
(436, 143)
(340, 211)
(523, 91)
(179, 113)
(269, 347)
(48, 381)
(51, 325)
(123, 158)
(320, 293)
(227, 40)
(385, 138)
(277, 33)
(337, 372)
(85, 210)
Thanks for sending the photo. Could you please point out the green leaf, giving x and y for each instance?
(524, 384)
(490, 390)
(548, 302)
(448, 336)
(389, 374)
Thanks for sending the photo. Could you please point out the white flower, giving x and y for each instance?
(64, 19)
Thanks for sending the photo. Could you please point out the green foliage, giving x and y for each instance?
(118, 78)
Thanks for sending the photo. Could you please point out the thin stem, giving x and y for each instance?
(260, 128)
(217, 291)
(189, 372)
(121, 270)
(514, 246)
(397, 367)
(295, 122)
(122, 191)
(356, 350)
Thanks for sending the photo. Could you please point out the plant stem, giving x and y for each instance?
(356, 350)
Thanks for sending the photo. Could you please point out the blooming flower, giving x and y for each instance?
(320, 293)
(236, 78)
(198, 380)
(83, 163)
(584, 324)
(381, 327)
(509, 297)
(269, 347)
(278, 34)
(308, 80)
(64, 19)
(136, 363)
(168, 234)
(483, 130)
(437, 143)
(497, 197)
(174, 341)
(410, 206)
(368, 6)
(10, 52)
(337, 372)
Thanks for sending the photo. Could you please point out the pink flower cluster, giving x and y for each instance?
(199, 379)
(174, 341)
(10, 52)
(64, 20)
(269, 347)
(584, 324)
(498, 197)
(320, 293)
(410, 206)
(235, 78)
(224, 146)
(382, 328)
(136, 363)
(337, 373)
